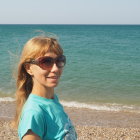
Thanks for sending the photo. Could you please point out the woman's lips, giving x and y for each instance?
(53, 77)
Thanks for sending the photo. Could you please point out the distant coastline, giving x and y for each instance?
(71, 24)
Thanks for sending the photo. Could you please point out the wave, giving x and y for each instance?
(103, 107)
(7, 99)
(94, 106)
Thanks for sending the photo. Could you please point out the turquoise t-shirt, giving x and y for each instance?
(46, 118)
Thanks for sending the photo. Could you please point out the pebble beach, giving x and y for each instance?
(89, 124)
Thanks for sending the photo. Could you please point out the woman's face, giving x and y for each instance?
(47, 78)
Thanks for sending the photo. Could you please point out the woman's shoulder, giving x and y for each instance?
(29, 111)
(32, 107)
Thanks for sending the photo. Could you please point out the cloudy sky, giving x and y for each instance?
(69, 11)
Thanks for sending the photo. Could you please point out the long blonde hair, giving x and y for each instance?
(35, 47)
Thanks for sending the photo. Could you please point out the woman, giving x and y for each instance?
(39, 115)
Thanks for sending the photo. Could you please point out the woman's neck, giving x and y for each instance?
(43, 92)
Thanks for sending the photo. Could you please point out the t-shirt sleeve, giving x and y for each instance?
(31, 120)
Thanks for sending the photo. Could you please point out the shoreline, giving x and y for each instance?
(112, 107)
(89, 124)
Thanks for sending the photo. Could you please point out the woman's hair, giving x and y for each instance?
(35, 47)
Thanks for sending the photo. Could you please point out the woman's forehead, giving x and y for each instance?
(51, 54)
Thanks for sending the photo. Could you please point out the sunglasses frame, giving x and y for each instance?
(54, 60)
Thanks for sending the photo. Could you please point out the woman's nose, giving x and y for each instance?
(54, 68)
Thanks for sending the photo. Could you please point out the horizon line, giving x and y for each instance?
(58, 24)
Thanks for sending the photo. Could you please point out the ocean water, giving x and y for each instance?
(103, 63)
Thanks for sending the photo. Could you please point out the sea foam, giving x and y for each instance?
(103, 107)
(93, 106)
(7, 99)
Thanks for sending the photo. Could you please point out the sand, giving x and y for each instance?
(89, 124)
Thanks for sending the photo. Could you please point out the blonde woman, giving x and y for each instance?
(39, 115)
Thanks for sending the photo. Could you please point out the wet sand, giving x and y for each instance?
(90, 124)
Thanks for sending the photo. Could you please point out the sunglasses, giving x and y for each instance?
(47, 62)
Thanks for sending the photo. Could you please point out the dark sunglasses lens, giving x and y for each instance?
(46, 62)
(61, 61)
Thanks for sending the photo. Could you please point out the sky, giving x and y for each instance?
(69, 11)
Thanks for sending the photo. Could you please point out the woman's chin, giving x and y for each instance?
(53, 85)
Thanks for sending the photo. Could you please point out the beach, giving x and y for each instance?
(90, 124)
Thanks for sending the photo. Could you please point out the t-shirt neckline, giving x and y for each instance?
(32, 95)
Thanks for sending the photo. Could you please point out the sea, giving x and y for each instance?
(102, 70)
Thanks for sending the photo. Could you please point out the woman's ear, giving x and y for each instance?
(28, 69)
